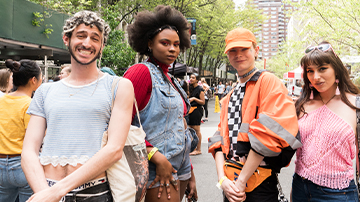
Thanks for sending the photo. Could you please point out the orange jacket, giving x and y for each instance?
(269, 121)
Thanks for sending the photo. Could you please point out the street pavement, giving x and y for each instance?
(205, 170)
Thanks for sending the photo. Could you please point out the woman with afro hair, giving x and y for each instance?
(161, 35)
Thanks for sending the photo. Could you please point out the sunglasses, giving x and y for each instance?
(322, 47)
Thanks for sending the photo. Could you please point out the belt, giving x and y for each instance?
(9, 155)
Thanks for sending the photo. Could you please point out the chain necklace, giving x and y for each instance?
(247, 74)
(72, 94)
(327, 101)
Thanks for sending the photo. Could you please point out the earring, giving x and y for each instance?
(312, 93)
(337, 92)
(149, 49)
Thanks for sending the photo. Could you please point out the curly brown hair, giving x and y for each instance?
(148, 24)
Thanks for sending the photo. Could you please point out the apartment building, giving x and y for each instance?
(273, 30)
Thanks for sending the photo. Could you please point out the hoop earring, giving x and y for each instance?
(312, 93)
(337, 92)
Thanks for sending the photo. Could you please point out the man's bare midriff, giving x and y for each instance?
(60, 172)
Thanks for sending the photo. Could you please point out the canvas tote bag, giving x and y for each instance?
(128, 177)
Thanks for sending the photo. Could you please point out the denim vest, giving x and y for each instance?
(162, 117)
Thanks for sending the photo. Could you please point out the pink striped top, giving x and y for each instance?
(328, 149)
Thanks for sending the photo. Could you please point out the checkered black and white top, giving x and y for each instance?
(234, 118)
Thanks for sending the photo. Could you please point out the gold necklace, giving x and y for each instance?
(72, 94)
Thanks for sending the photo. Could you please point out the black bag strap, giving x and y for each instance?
(357, 103)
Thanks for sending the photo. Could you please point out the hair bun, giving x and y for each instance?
(14, 66)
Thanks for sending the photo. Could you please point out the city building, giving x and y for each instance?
(273, 30)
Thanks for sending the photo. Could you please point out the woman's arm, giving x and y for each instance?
(231, 191)
(252, 162)
(200, 101)
(105, 157)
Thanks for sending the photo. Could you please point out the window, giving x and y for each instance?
(266, 25)
(273, 25)
(266, 53)
(266, 21)
(274, 41)
(265, 13)
(273, 49)
(273, 29)
(273, 45)
(273, 20)
(273, 16)
(266, 29)
(266, 37)
(265, 33)
(265, 49)
(266, 45)
(273, 33)
(265, 9)
(273, 12)
(273, 53)
(266, 41)
(273, 37)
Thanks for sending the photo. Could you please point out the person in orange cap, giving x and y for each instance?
(257, 133)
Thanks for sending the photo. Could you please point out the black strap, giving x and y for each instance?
(357, 103)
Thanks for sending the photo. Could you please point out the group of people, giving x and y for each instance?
(50, 148)
(261, 128)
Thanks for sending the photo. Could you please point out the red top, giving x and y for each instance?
(139, 75)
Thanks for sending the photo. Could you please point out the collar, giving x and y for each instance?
(257, 74)
(163, 66)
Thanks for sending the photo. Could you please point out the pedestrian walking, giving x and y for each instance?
(13, 125)
(197, 100)
(161, 35)
(327, 124)
(256, 136)
(208, 95)
(75, 112)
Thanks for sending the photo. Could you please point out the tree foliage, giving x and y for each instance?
(214, 19)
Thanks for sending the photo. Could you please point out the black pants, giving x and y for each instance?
(206, 108)
(265, 192)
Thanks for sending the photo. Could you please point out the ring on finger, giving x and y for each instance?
(167, 184)
(161, 184)
(174, 182)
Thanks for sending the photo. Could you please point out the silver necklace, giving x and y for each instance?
(247, 74)
(72, 94)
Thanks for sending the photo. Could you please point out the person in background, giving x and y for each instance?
(13, 125)
(197, 100)
(161, 35)
(6, 81)
(327, 123)
(65, 71)
(220, 90)
(108, 70)
(208, 94)
(258, 127)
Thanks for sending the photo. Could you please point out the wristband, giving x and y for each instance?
(152, 152)
(218, 185)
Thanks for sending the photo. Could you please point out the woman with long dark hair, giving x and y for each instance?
(197, 100)
(327, 124)
(27, 78)
(161, 35)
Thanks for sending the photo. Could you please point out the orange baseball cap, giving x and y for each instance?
(239, 37)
